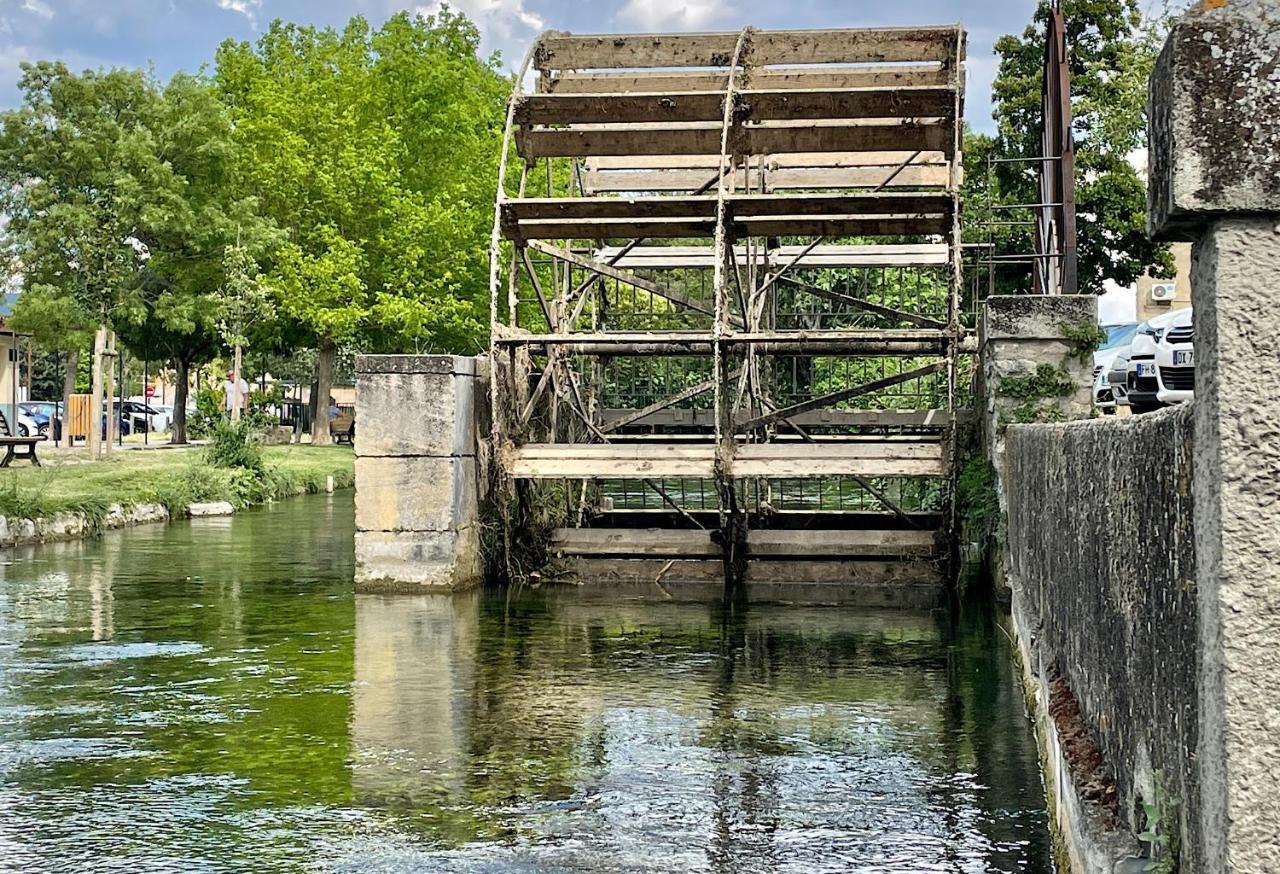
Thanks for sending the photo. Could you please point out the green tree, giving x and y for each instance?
(377, 152)
(195, 208)
(1111, 50)
(76, 160)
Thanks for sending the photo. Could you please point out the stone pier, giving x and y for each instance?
(1215, 180)
(420, 471)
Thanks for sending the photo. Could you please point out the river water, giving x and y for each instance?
(210, 696)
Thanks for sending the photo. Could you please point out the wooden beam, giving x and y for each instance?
(769, 48)
(699, 418)
(934, 176)
(753, 105)
(744, 206)
(759, 460)
(669, 542)
(845, 394)
(882, 76)
(704, 139)
(888, 159)
(826, 255)
(889, 342)
(753, 226)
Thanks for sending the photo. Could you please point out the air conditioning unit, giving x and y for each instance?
(1164, 292)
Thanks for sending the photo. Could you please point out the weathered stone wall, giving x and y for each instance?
(1102, 561)
(1020, 335)
(420, 471)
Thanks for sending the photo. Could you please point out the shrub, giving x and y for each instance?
(208, 413)
(232, 446)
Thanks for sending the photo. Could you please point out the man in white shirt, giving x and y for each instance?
(235, 395)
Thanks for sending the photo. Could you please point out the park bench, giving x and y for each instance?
(11, 444)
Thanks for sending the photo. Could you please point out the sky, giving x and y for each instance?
(177, 35)
(173, 35)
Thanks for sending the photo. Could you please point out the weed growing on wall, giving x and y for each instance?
(1161, 833)
(1084, 338)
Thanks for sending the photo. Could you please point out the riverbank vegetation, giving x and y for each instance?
(174, 478)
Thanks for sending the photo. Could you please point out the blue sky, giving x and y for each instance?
(183, 34)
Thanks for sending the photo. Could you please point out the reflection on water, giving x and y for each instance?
(211, 696)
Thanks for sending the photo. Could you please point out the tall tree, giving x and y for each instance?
(377, 153)
(1111, 51)
(196, 209)
(76, 160)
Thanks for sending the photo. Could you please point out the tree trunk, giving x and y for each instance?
(68, 389)
(237, 401)
(324, 386)
(109, 392)
(95, 401)
(178, 427)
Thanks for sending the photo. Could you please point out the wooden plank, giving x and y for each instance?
(694, 418)
(881, 76)
(890, 342)
(634, 542)
(761, 543)
(597, 181)
(841, 46)
(888, 159)
(659, 460)
(754, 105)
(764, 226)
(743, 206)
(825, 255)
(859, 136)
(840, 543)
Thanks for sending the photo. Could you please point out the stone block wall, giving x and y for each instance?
(420, 471)
(1102, 561)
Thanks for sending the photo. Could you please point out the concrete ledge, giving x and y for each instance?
(1029, 318)
(457, 365)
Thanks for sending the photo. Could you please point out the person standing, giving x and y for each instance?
(235, 394)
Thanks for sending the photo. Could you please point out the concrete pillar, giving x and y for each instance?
(419, 472)
(1215, 179)
(1026, 344)
(1020, 335)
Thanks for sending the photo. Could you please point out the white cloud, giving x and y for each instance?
(38, 7)
(498, 19)
(674, 14)
(247, 8)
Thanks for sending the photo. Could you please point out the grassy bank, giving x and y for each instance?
(174, 478)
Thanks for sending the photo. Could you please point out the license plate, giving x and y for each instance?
(1145, 370)
(1185, 358)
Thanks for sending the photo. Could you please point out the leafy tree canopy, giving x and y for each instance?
(377, 152)
(1112, 50)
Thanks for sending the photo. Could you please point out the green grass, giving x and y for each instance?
(175, 478)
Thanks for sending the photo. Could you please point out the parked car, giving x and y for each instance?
(1175, 360)
(1142, 384)
(1118, 378)
(45, 415)
(161, 416)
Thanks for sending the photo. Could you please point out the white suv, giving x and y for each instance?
(1175, 360)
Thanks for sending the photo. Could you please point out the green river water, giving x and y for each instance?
(210, 696)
